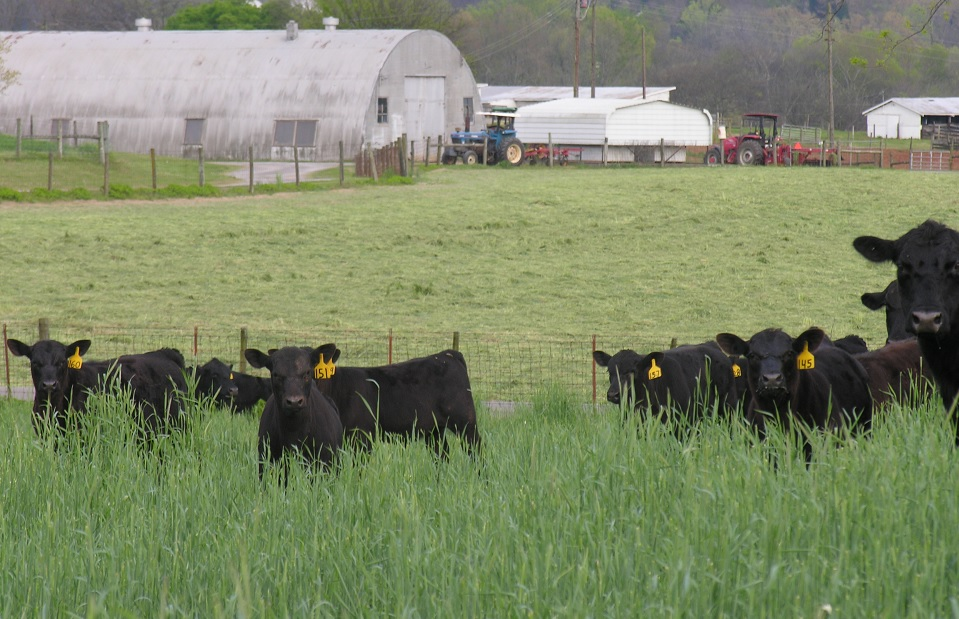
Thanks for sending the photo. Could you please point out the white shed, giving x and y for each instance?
(521, 96)
(627, 130)
(229, 90)
(905, 117)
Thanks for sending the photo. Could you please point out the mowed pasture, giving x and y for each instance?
(569, 512)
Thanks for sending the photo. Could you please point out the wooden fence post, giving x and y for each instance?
(196, 340)
(594, 369)
(50, 171)
(244, 339)
(426, 153)
(341, 164)
(412, 157)
(19, 135)
(250, 157)
(105, 153)
(456, 340)
(6, 362)
(389, 349)
(199, 156)
(296, 165)
(153, 167)
(372, 162)
(43, 329)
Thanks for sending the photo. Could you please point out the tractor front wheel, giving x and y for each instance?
(713, 156)
(512, 151)
(470, 157)
(749, 153)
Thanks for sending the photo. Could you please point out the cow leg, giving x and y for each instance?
(436, 440)
(473, 440)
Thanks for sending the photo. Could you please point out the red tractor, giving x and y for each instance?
(759, 145)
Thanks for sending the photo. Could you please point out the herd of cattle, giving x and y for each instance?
(314, 406)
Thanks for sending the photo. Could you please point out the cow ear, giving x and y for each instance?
(813, 336)
(329, 352)
(257, 358)
(601, 358)
(651, 367)
(873, 300)
(19, 349)
(875, 249)
(732, 344)
(80, 346)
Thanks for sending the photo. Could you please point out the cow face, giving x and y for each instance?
(291, 375)
(622, 369)
(50, 364)
(215, 378)
(895, 317)
(927, 274)
(772, 359)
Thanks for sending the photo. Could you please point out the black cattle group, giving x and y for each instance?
(810, 380)
(314, 406)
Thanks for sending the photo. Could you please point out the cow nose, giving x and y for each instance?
(294, 401)
(926, 322)
(232, 391)
(613, 397)
(48, 385)
(772, 380)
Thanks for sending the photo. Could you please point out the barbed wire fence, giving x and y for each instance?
(502, 367)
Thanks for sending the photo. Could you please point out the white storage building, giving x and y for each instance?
(616, 130)
(521, 96)
(229, 90)
(904, 118)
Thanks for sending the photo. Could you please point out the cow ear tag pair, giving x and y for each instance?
(654, 371)
(805, 360)
(324, 369)
(75, 362)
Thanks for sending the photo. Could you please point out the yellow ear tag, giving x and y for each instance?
(75, 362)
(324, 369)
(737, 371)
(805, 360)
(231, 375)
(654, 371)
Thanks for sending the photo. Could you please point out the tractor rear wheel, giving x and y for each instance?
(512, 150)
(749, 153)
(713, 156)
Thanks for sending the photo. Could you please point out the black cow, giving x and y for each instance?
(215, 380)
(805, 380)
(251, 390)
(297, 417)
(62, 381)
(673, 380)
(895, 317)
(422, 397)
(896, 372)
(927, 272)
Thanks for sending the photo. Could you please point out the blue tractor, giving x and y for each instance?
(497, 142)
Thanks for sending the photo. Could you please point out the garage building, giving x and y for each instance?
(906, 118)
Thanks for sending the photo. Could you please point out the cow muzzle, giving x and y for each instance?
(926, 322)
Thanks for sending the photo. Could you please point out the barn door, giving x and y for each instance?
(425, 110)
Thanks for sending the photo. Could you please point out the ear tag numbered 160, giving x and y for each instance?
(805, 360)
(75, 361)
(654, 371)
(324, 369)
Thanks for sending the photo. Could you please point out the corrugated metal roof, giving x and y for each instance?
(549, 93)
(579, 107)
(924, 106)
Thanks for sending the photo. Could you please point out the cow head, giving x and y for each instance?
(622, 372)
(772, 360)
(895, 317)
(50, 364)
(927, 274)
(291, 374)
(215, 378)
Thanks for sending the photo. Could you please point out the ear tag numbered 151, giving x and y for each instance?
(654, 371)
(805, 360)
(324, 369)
(75, 361)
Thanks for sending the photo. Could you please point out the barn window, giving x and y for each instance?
(294, 133)
(193, 135)
(306, 133)
(60, 126)
(382, 110)
(468, 107)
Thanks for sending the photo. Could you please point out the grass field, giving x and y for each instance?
(568, 514)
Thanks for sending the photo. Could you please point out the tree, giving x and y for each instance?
(8, 77)
(436, 15)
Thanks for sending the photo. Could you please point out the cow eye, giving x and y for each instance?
(953, 268)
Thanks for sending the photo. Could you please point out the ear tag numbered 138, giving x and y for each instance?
(805, 360)
(324, 369)
(654, 371)
(75, 362)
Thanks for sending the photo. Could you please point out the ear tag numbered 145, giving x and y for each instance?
(805, 360)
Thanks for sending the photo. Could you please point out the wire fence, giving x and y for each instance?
(502, 367)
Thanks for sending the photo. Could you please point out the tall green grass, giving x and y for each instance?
(567, 515)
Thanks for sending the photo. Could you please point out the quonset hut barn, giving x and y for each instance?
(229, 90)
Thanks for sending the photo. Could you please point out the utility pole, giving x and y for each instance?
(592, 53)
(576, 51)
(832, 107)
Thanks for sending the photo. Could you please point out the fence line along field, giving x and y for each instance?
(569, 510)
